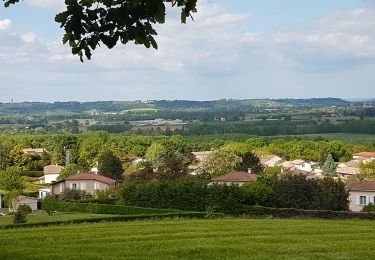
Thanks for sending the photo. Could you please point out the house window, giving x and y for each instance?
(74, 186)
(362, 200)
(96, 186)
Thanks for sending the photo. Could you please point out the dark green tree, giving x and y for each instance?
(250, 161)
(68, 171)
(172, 166)
(297, 192)
(333, 195)
(329, 167)
(87, 24)
(109, 165)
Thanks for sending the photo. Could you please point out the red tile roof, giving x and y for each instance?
(362, 186)
(237, 176)
(365, 154)
(90, 176)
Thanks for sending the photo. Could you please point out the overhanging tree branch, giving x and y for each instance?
(88, 23)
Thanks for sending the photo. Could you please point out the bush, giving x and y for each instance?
(369, 208)
(49, 204)
(259, 194)
(24, 209)
(32, 174)
(19, 218)
(298, 192)
(21, 213)
(70, 194)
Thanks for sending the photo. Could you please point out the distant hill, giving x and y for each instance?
(74, 107)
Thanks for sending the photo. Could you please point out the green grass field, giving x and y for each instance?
(195, 239)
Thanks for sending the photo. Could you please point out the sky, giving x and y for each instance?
(238, 49)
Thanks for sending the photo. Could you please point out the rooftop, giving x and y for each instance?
(90, 176)
(365, 154)
(362, 186)
(237, 176)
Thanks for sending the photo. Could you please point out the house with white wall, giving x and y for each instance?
(51, 172)
(361, 194)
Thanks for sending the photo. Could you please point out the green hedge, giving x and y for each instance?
(290, 213)
(200, 215)
(106, 209)
(32, 174)
(189, 195)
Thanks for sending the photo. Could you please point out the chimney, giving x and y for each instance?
(249, 170)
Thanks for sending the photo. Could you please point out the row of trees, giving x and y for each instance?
(85, 148)
(287, 192)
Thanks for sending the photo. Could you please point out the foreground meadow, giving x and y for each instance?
(195, 239)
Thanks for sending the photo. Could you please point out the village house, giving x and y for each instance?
(23, 200)
(86, 183)
(199, 157)
(51, 172)
(135, 160)
(34, 151)
(364, 155)
(270, 160)
(234, 178)
(42, 193)
(298, 165)
(361, 194)
(307, 174)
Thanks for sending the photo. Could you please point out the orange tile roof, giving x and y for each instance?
(365, 154)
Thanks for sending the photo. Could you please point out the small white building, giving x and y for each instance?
(51, 172)
(42, 193)
(270, 160)
(23, 200)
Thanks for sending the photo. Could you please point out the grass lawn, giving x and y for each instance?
(41, 216)
(195, 239)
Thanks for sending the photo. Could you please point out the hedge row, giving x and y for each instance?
(32, 174)
(189, 215)
(289, 213)
(105, 209)
(189, 195)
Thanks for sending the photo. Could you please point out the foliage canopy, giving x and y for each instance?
(88, 23)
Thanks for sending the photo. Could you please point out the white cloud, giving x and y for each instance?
(5, 24)
(212, 57)
(55, 4)
(29, 37)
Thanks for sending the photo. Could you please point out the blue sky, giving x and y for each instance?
(233, 49)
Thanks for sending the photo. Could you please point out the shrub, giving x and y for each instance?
(369, 208)
(24, 209)
(19, 218)
(333, 195)
(295, 191)
(32, 174)
(21, 213)
(259, 194)
(70, 194)
(49, 204)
